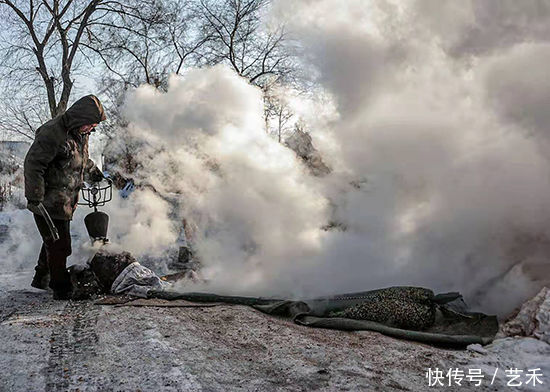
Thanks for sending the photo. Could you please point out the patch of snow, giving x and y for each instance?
(520, 353)
(533, 319)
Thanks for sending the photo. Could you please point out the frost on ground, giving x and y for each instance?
(523, 353)
(523, 344)
(57, 346)
(533, 319)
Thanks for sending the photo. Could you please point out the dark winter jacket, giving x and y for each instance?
(57, 162)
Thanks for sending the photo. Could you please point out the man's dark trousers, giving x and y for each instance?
(53, 255)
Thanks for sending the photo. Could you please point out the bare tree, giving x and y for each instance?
(277, 114)
(157, 44)
(14, 120)
(164, 39)
(44, 29)
(188, 38)
(44, 44)
(239, 38)
(131, 48)
(259, 52)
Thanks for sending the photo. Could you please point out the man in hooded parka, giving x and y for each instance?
(56, 165)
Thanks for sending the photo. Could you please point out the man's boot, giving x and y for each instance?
(41, 277)
(40, 280)
(60, 281)
(63, 295)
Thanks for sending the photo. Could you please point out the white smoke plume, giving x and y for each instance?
(442, 112)
(205, 157)
(436, 133)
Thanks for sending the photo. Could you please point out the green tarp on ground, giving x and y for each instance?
(412, 313)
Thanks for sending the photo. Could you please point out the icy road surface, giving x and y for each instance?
(51, 345)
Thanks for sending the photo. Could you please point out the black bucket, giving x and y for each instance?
(97, 224)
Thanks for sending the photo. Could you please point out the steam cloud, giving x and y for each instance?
(255, 210)
(442, 110)
(436, 127)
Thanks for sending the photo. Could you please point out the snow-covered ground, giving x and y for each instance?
(59, 346)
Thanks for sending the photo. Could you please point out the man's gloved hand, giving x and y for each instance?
(32, 205)
(95, 175)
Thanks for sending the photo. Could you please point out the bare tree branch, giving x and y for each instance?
(240, 39)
